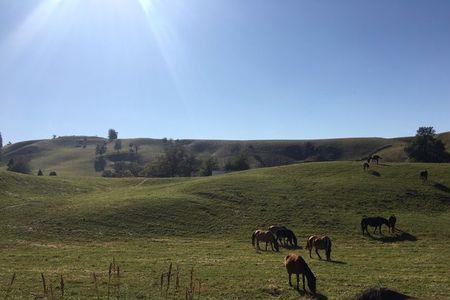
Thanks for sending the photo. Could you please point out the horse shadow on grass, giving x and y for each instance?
(310, 295)
(399, 236)
(441, 187)
(339, 262)
(290, 247)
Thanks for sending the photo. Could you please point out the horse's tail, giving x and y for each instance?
(253, 238)
(328, 250)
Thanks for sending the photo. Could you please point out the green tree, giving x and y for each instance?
(425, 147)
(209, 166)
(99, 164)
(112, 134)
(239, 163)
(101, 149)
(176, 161)
(118, 145)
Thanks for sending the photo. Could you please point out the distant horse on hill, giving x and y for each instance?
(376, 158)
(424, 175)
(267, 237)
(295, 264)
(321, 242)
(376, 222)
(366, 166)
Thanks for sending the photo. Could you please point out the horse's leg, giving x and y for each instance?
(303, 278)
(257, 244)
(290, 282)
(310, 249)
(266, 246)
(317, 251)
(380, 229)
(298, 280)
(375, 231)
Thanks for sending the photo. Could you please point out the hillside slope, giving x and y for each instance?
(75, 226)
(65, 155)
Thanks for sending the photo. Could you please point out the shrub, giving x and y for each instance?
(426, 148)
(19, 165)
(239, 163)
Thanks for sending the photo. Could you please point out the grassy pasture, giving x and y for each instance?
(74, 226)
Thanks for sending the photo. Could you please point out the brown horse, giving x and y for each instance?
(366, 166)
(321, 242)
(267, 237)
(295, 264)
(392, 220)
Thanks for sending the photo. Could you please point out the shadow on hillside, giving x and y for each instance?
(441, 187)
(399, 236)
(317, 296)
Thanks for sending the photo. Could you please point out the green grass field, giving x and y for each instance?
(74, 226)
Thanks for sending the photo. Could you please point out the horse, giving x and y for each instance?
(376, 222)
(376, 158)
(424, 175)
(287, 235)
(267, 237)
(366, 166)
(274, 228)
(295, 264)
(322, 242)
(392, 220)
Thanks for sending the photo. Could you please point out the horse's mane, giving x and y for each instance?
(308, 273)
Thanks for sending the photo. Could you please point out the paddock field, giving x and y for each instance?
(76, 226)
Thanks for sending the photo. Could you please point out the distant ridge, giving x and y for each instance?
(64, 155)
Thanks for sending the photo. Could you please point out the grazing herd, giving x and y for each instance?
(282, 236)
(277, 236)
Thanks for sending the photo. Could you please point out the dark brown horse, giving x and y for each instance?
(284, 235)
(424, 175)
(366, 166)
(295, 264)
(392, 220)
(376, 222)
(267, 237)
(321, 242)
(375, 158)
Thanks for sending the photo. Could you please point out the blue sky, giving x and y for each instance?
(223, 69)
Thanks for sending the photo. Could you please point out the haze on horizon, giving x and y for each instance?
(225, 69)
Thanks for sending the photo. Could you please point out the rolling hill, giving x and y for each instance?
(65, 155)
(75, 226)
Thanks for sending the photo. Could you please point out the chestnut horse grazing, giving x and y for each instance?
(321, 242)
(295, 264)
(267, 237)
